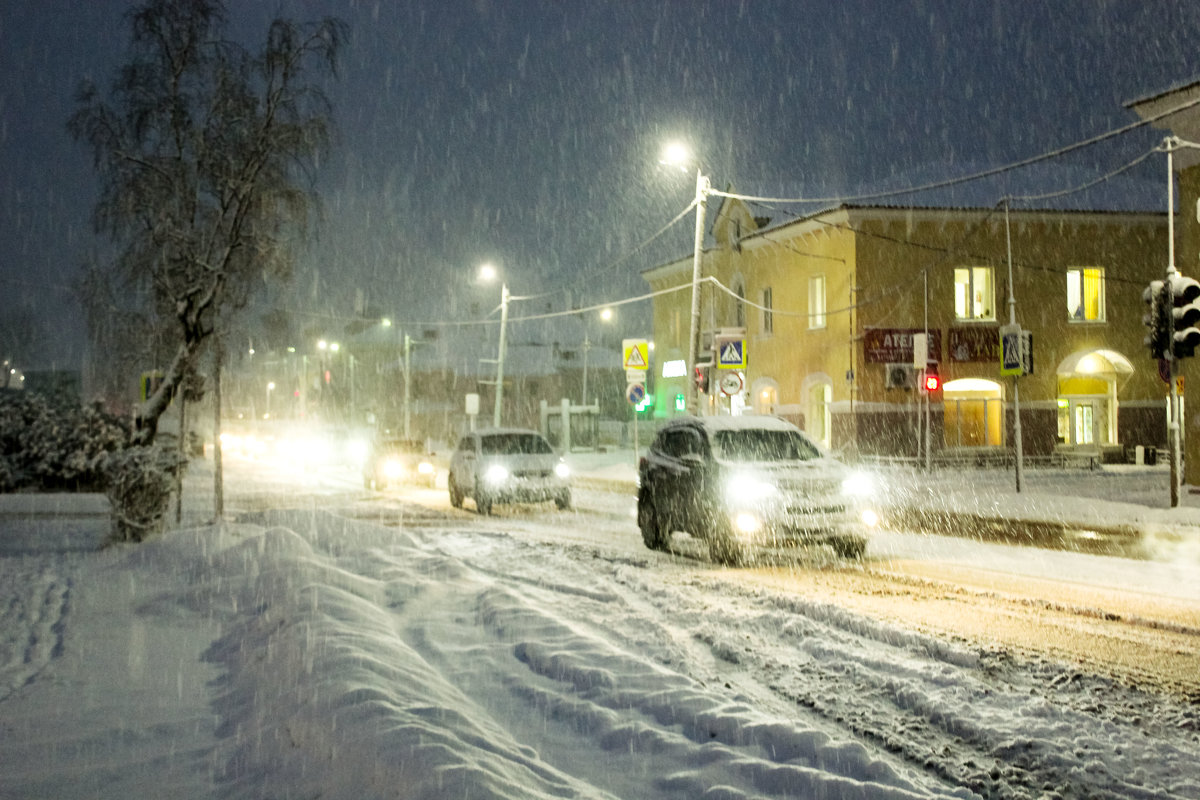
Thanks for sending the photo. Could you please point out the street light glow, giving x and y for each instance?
(676, 154)
(487, 273)
(606, 315)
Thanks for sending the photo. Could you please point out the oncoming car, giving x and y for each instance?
(396, 461)
(748, 482)
(507, 465)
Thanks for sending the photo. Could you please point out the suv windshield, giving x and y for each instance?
(763, 445)
(514, 443)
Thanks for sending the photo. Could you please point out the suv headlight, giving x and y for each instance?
(562, 470)
(858, 484)
(496, 473)
(392, 468)
(425, 468)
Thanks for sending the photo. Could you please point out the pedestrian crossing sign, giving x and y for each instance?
(636, 354)
(731, 353)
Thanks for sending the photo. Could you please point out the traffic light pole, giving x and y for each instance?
(1172, 395)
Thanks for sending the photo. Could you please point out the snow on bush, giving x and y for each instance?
(52, 446)
(139, 481)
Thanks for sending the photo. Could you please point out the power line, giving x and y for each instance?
(987, 173)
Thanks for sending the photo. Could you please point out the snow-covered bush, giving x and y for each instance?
(139, 481)
(54, 446)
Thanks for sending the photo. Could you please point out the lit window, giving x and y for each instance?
(974, 293)
(1085, 294)
(816, 301)
(768, 315)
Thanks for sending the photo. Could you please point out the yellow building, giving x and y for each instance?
(827, 306)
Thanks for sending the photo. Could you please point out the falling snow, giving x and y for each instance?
(370, 645)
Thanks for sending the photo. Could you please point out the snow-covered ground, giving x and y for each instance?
(325, 642)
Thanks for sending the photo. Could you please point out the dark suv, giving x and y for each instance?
(749, 482)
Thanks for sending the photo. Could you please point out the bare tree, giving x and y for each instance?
(206, 154)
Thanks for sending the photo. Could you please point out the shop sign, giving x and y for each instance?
(895, 345)
(974, 344)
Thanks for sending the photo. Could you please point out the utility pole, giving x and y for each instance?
(500, 355)
(587, 345)
(928, 437)
(1012, 321)
(407, 384)
(693, 394)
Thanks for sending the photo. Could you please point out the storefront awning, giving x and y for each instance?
(1095, 362)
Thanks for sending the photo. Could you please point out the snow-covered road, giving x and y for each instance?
(341, 643)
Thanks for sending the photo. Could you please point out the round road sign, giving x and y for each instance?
(731, 383)
(635, 393)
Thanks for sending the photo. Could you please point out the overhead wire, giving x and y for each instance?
(987, 173)
(765, 201)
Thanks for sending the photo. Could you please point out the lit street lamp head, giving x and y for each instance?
(677, 155)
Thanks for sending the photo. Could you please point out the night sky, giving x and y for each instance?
(527, 133)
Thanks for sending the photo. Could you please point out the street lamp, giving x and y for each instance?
(487, 273)
(677, 155)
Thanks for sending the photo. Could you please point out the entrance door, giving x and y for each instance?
(1084, 418)
(1089, 421)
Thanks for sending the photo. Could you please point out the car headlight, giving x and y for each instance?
(392, 468)
(496, 473)
(562, 470)
(746, 522)
(425, 468)
(858, 484)
(746, 487)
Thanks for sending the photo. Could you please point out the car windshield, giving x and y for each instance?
(515, 444)
(763, 445)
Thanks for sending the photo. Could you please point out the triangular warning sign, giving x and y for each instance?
(634, 359)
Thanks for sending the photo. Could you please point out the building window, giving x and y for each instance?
(768, 315)
(1085, 294)
(974, 293)
(816, 301)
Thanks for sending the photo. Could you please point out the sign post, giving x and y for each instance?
(472, 408)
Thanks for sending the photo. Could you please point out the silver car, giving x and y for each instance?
(747, 482)
(507, 465)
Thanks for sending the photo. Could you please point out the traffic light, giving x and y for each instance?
(931, 381)
(1185, 314)
(701, 377)
(1156, 318)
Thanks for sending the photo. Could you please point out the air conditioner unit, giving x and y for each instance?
(900, 376)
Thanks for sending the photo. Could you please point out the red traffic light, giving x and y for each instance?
(933, 382)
